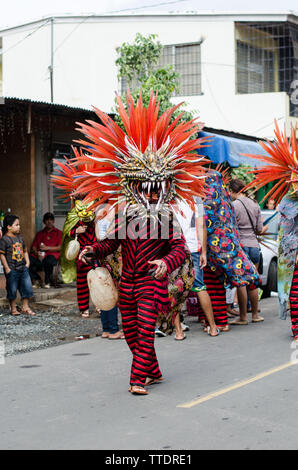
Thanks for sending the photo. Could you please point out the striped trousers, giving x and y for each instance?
(217, 294)
(294, 302)
(136, 303)
(82, 287)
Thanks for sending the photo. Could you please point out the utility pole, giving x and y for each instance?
(52, 61)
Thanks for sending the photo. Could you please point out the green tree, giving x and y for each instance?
(138, 65)
(243, 172)
(136, 61)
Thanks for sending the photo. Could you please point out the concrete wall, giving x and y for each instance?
(85, 71)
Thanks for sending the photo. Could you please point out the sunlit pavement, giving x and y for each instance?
(74, 396)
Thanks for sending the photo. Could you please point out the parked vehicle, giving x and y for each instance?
(269, 252)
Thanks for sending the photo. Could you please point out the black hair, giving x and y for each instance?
(8, 221)
(47, 216)
(236, 185)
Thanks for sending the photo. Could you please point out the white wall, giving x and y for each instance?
(85, 73)
(25, 66)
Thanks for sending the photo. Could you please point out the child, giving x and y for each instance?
(15, 260)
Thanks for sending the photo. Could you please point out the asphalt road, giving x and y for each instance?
(74, 396)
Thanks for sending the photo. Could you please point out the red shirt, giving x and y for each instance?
(51, 238)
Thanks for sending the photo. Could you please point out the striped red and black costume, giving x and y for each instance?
(140, 294)
(87, 238)
(217, 296)
(294, 302)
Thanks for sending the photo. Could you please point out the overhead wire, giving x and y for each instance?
(46, 21)
(114, 11)
(270, 124)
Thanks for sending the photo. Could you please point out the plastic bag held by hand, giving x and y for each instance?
(72, 249)
(103, 292)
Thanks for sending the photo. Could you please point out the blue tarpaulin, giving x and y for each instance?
(229, 149)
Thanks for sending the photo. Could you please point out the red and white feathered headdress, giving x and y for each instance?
(153, 161)
(281, 165)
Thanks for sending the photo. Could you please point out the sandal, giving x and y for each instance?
(14, 313)
(180, 339)
(137, 390)
(28, 311)
(85, 314)
(224, 328)
(117, 335)
(232, 313)
(209, 332)
(239, 322)
(256, 320)
(151, 380)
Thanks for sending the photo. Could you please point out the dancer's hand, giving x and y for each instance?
(87, 249)
(81, 229)
(203, 260)
(161, 269)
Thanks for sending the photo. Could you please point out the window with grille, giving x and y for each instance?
(186, 61)
(255, 69)
(267, 59)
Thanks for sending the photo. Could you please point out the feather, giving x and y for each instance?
(281, 164)
(108, 154)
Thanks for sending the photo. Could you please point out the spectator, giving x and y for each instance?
(15, 260)
(45, 252)
(230, 295)
(194, 230)
(180, 282)
(250, 224)
(270, 205)
(109, 318)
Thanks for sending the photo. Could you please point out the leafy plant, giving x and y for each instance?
(242, 172)
(136, 61)
(138, 65)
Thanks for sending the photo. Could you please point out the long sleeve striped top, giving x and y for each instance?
(139, 247)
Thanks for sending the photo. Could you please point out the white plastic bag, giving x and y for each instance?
(103, 292)
(72, 249)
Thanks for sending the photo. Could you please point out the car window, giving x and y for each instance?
(272, 231)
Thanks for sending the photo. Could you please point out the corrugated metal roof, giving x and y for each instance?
(45, 103)
(223, 132)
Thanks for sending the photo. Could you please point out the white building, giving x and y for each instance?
(239, 71)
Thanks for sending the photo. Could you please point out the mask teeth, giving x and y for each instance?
(159, 201)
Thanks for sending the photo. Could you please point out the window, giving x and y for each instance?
(267, 59)
(255, 69)
(186, 60)
(257, 60)
(60, 206)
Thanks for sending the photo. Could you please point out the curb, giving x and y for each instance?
(42, 296)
